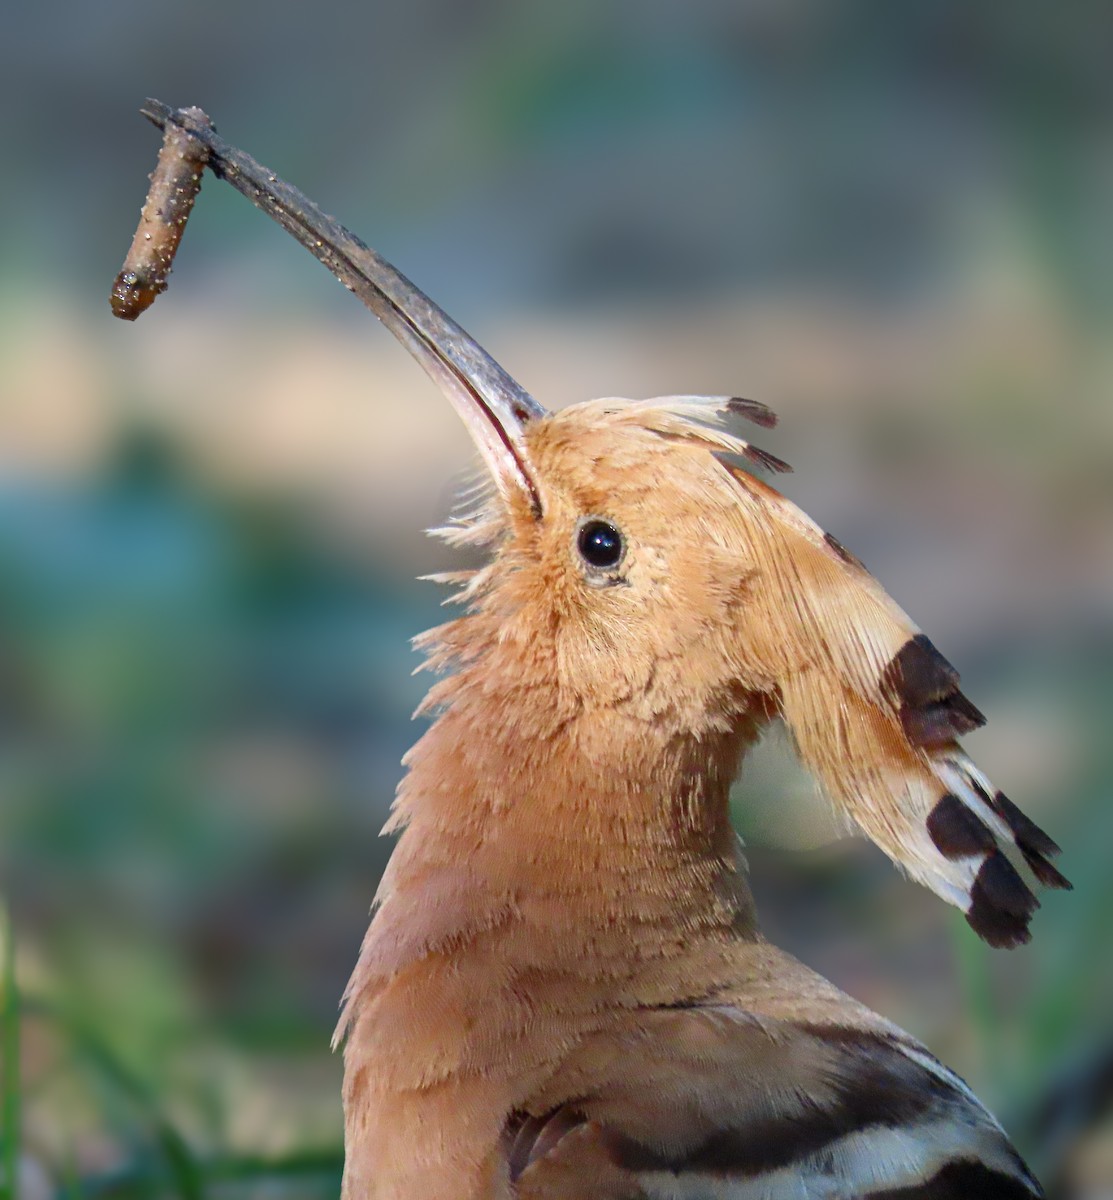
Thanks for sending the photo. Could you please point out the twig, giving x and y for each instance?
(416, 320)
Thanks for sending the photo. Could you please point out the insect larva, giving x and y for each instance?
(175, 182)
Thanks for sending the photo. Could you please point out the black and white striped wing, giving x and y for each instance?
(714, 1104)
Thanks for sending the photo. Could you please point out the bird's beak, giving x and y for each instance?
(494, 407)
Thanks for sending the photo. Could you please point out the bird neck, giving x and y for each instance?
(559, 864)
(574, 835)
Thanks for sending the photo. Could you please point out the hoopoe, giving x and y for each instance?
(564, 993)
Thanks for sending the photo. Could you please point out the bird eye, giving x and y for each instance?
(600, 544)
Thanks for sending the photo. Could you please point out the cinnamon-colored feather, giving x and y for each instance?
(876, 713)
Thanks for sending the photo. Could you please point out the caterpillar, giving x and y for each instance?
(175, 182)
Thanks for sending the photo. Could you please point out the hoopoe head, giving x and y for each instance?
(621, 558)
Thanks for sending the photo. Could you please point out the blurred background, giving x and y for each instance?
(891, 223)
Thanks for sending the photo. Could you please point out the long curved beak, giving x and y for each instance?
(493, 406)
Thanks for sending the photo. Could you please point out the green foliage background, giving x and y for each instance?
(890, 222)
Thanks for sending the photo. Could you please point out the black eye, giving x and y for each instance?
(600, 544)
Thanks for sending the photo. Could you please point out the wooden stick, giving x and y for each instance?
(445, 350)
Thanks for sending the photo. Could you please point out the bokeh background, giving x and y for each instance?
(889, 222)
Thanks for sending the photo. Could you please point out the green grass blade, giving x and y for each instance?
(9, 1061)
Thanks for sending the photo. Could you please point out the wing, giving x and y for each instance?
(876, 713)
(712, 1103)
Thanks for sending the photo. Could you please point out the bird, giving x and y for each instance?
(564, 992)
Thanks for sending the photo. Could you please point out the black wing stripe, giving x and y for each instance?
(1034, 844)
(1001, 904)
(924, 685)
(960, 1181)
(956, 831)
